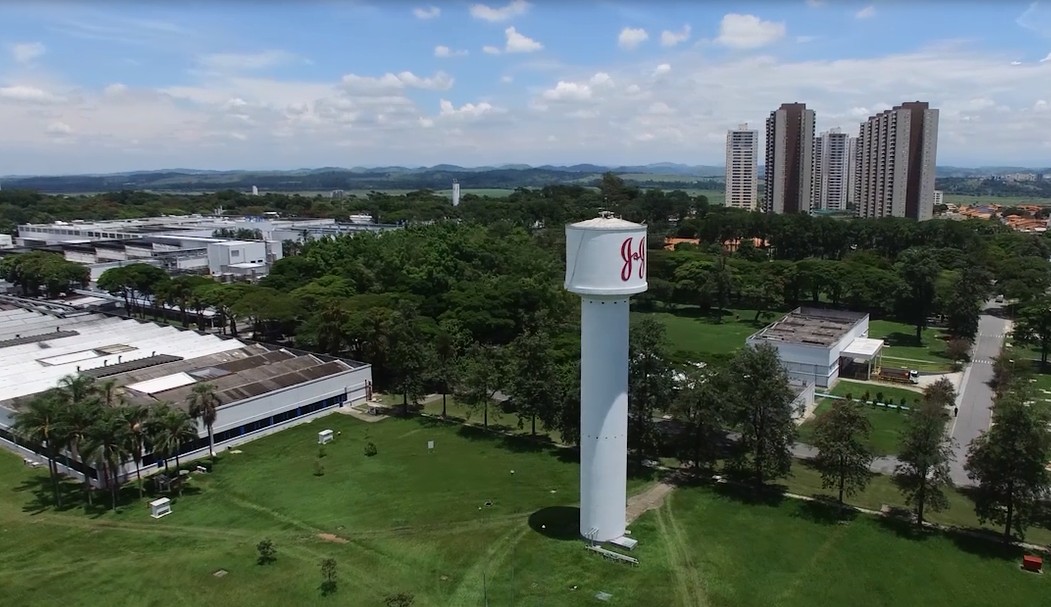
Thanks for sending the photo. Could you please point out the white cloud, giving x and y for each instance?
(670, 38)
(507, 79)
(236, 62)
(28, 94)
(467, 110)
(520, 43)
(815, 3)
(491, 50)
(59, 128)
(25, 52)
(604, 112)
(805, 39)
(444, 52)
(866, 13)
(748, 31)
(391, 83)
(1046, 59)
(631, 37)
(1036, 18)
(428, 12)
(503, 13)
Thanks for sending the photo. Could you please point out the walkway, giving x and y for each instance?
(975, 399)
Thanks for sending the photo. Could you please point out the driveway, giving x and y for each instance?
(975, 399)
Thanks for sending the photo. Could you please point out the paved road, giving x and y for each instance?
(976, 397)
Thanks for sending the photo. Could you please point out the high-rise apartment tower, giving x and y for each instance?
(896, 156)
(831, 174)
(789, 159)
(742, 148)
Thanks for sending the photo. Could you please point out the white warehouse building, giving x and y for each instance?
(817, 345)
(261, 388)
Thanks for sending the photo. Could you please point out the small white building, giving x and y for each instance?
(816, 345)
(236, 257)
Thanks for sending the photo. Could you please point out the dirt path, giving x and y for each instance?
(649, 499)
(689, 587)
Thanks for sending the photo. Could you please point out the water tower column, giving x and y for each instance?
(605, 264)
(603, 416)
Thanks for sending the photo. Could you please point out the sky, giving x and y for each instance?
(120, 85)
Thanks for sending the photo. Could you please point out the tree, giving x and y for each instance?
(650, 385)
(449, 345)
(107, 445)
(76, 422)
(841, 436)
(204, 404)
(481, 375)
(919, 271)
(922, 474)
(532, 371)
(1008, 464)
(761, 410)
(267, 552)
(700, 408)
(137, 418)
(1033, 326)
(170, 428)
(38, 422)
(328, 576)
(958, 350)
(409, 356)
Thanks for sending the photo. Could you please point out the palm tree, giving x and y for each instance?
(75, 422)
(76, 388)
(137, 418)
(204, 404)
(108, 446)
(36, 422)
(107, 390)
(173, 428)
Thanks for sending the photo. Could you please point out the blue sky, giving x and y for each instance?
(111, 86)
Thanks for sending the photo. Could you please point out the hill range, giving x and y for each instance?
(439, 177)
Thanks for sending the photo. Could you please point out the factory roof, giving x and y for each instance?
(810, 326)
(149, 363)
(37, 349)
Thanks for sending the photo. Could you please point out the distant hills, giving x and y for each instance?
(665, 175)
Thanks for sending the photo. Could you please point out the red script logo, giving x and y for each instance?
(630, 257)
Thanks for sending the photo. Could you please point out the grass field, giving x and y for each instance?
(886, 427)
(691, 331)
(901, 349)
(414, 521)
(891, 394)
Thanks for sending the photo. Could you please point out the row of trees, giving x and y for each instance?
(89, 422)
(40, 273)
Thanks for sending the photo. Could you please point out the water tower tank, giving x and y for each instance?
(605, 256)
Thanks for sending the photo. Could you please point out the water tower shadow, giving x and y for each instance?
(557, 522)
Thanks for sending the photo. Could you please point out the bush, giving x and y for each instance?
(370, 449)
(328, 576)
(850, 396)
(319, 468)
(402, 599)
(904, 401)
(267, 552)
(866, 396)
(879, 397)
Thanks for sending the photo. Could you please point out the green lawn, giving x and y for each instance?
(413, 520)
(891, 394)
(901, 349)
(886, 427)
(691, 331)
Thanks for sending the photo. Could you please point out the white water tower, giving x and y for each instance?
(605, 265)
(456, 193)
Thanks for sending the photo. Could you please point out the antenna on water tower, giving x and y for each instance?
(605, 265)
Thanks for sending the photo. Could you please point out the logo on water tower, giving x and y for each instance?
(631, 255)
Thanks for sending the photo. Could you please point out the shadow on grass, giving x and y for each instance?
(557, 522)
(73, 498)
(750, 493)
(825, 510)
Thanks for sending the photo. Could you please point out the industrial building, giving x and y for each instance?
(818, 345)
(184, 243)
(262, 388)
